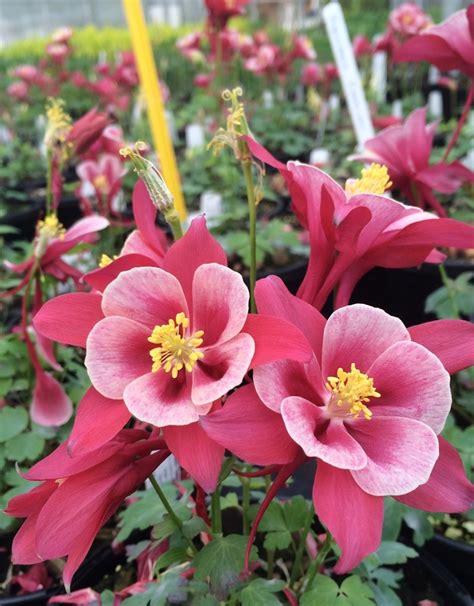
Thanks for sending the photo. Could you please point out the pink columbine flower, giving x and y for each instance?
(311, 74)
(59, 524)
(169, 341)
(408, 19)
(58, 52)
(264, 60)
(353, 231)
(18, 90)
(361, 46)
(405, 150)
(105, 176)
(369, 406)
(302, 48)
(28, 73)
(449, 45)
(62, 35)
(220, 11)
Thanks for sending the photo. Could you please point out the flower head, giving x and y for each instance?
(375, 180)
(58, 124)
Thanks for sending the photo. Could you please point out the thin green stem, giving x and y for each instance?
(177, 522)
(247, 169)
(216, 515)
(245, 504)
(318, 562)
(172, 218)
(49, 182)
(299, 552)
(270, 562)
(451, 291)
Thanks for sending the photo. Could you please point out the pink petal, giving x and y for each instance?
(359, 334)
(200, 456)
(308, 425)
(97, 421)
(147, 295)
(276, 381)
(413, 383)
(83, 230)
(195, 248)
(251, 431)
(353, 517)
(50, 406)
(220, 303)
(452, 341)
(160, 400)
(400, 452)
(117, 353)
(46, 350)
(222, 368)
(69, 318)
(448, 488)
(136, 244)
(102, 277)
(274, 299)
(81, 597)
(144, 213)
(276, 339)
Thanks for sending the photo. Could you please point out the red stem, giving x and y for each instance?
(265, 471)
(290, 596)
(460, 124)
(282, 476)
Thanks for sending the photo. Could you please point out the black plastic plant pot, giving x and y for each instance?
(24, 221)
(457, 556)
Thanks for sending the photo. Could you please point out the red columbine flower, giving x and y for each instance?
(220, 11)
(369, 407)
(449, 45)
(408, 19)
(355, 230)
(77, 496)
(405, 150)
(311, 74)
(85, 131)
(170, 341)
(361, 46)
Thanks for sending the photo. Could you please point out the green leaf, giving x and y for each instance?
(422, 528)
(193, 527)
(107, 598)
(175, 555)
(12, 422)
(261, 593)
(147, 511)
(24, 447)
(357, 592)
(392, 522)
(384, 595)
(220, 562)
(324, 592)
(295, 513)
(280, 539)
(391, 552)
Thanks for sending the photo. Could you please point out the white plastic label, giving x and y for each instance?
(211, 205)
(349, 74)
(267, 98)
(435, 104)
(319, 156)
(397, 109)
(379, 75)
(194, 136)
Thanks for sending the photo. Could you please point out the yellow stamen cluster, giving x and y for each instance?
(106, 260)
(100, 182)
(59, 123)
(352, 390)
(176, 349)
(375, 180)
(50, 227)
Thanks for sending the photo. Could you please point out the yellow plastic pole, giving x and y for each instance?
(149, 80)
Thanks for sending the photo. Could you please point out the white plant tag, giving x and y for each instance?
(157, 14)
(349, 74)
(319, 156)
(168, 471)
(175, 17)
(435, 104)
(378, 81)
(267, 98)
(334, 104)
(397, 109)
(211, 205)
(194, 136)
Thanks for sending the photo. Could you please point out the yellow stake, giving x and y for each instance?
(149, 80)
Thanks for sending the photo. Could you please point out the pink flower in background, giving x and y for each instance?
(62, 35)
(302, 48)
(35, 579)
(58, 52)
(81, 597)
(28, 73)
(203, 80)
(361, 46)
(86, 130)
(18, 90)
(369, 407)
(405, 150)
(60, 524)
(408, 19)
(449, 45)
(220, 11)
(352, 232)
(311, 74)
(105, 176)
(264, 59)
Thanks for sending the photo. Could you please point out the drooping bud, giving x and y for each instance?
(159, 193)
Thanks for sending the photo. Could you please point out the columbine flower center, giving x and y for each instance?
(50, 227)
(375, 180)
(350, 393)
(176, 348)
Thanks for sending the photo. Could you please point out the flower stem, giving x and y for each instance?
(460, 124)
(49, 182)
(318, 561)
(247, 169)
(216, 515)
(172, 218)
(447, 282)
(167, 505)
(299, 553)
(245, 504)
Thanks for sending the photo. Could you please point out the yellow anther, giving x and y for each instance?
(375, 180)
(351, 391)
(101, 183)
(58, 123)
(50, 227)
(177, 350)
(106, 260)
